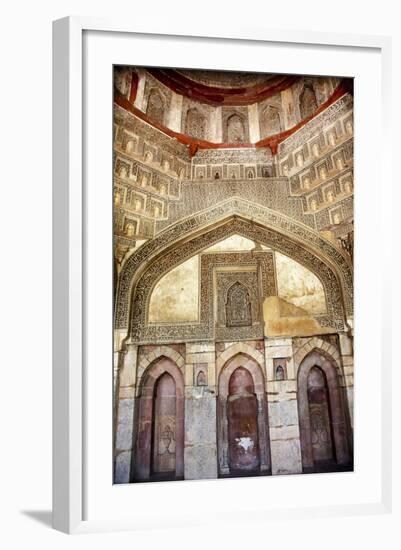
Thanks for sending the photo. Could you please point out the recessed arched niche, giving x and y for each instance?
(307, 102)
(235, 129)
(324, 425)
(242, 414)
(280, 373)
(131, 145)
(319, 414)
(195, 124)
(201, 379)
(238, 306)
(156, 107)
(270, 122)
(160, 424)
(163, 428)
(243, 433)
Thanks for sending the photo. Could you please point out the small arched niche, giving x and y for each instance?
(155, 107)
(235, 129)
(280, 373)
(201, 379)
(270, 122)
(195, 124)
(238, 306)
(307, 102)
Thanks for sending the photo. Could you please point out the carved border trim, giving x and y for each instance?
(204, 329)
(278, 232)
(183, 251)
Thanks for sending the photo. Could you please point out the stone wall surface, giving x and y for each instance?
(233, 276)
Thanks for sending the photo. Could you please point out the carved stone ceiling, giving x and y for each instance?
(226, 79)
(223, 88)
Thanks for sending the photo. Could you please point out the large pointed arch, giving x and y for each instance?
(190, 236)
(235, 349)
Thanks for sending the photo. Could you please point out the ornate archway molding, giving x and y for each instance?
(239, 348)
(147, 360)
(323, 347)
(190, 236)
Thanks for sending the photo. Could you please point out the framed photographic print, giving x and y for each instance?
(213, 210)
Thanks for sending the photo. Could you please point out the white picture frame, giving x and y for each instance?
(74, 221)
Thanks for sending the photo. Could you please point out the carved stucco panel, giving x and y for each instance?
(288, 237)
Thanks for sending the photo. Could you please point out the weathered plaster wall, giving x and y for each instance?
(299, 286)
(157, 183)
(284, 319)
(175, 297)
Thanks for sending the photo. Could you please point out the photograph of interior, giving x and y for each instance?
(233, 274)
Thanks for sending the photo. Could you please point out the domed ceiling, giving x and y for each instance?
(225, 79)
(221, 109)
(223, 87)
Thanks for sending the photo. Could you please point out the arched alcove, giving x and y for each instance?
(195, 124)
(280, 373)
(160, 426)
(242, 418)
(320, 417)
(324, 429)
(270, 122)
(156, 107)
(307, 101)
(141, 272)
(164, 426)
(235, 129)
(242, 415)
(201, 379)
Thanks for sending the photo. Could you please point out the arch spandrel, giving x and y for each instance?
(194, 234)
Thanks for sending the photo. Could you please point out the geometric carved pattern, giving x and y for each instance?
(235, 125)
(270, 228)
(317, 124)
(195, 124)
(263, 276)
(134, 125)
(141, 331)
(272, 193)
(155, 108)
(182, 251)
(238, 305)
(238, 290)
